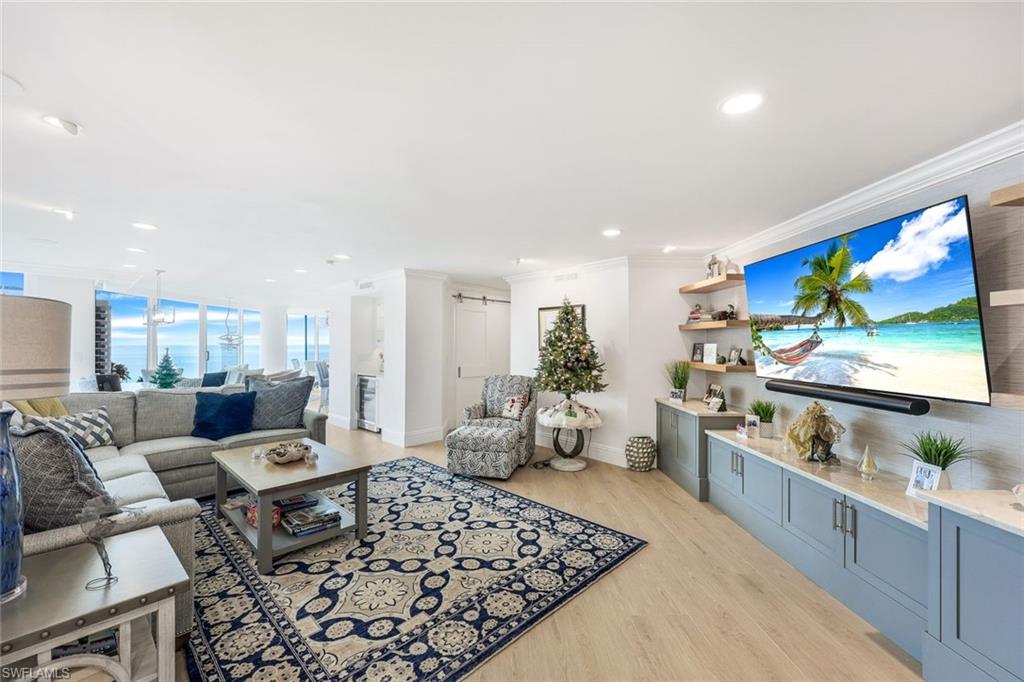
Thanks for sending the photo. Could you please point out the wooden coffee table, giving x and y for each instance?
(268, 482)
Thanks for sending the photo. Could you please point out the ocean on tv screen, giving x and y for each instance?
(891, 307)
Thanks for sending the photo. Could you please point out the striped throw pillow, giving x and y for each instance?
(90, 429)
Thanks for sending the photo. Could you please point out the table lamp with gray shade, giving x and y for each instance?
(35, 349)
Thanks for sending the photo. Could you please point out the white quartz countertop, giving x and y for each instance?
(999, 508)
(886, 491)
(696, 408)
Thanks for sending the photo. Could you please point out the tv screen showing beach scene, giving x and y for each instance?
(892, 307)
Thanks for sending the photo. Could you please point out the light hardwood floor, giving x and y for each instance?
(703, 601)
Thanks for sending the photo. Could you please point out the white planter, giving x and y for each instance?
(677, 396)
(767, 430)
(944, 481)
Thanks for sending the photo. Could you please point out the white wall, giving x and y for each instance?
(425, 342)
(656, 309)
(274, 338)
(80, 293)
(603, 288)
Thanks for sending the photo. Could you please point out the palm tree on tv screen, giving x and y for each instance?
(825, 292)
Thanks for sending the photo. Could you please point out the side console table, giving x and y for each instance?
(57, 609)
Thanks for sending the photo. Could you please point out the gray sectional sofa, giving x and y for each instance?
(155, 467)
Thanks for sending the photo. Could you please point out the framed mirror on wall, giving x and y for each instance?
(547, 316)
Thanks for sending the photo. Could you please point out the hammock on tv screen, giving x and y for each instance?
(794, 355)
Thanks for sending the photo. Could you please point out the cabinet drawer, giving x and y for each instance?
(811, 512)
(721, 466)
(761, 483)
(889, 553)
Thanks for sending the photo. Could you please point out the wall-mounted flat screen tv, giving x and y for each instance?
(892, 307)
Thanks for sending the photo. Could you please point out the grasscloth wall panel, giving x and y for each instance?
(997, 434)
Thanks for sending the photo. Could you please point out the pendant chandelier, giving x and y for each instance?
(156, 315)
(230, 338)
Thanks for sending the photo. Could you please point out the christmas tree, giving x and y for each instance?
(166, 374)
(568, 362)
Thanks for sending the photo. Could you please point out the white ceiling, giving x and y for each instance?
(262, 138)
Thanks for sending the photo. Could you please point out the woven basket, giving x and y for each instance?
(640, 453)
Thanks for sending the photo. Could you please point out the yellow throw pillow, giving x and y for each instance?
(40, 407)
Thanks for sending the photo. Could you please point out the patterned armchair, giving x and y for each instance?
(498, 389)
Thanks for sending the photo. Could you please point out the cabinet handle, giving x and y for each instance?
(739, 462)
(732, 462)
(835, 523)
(851, 528)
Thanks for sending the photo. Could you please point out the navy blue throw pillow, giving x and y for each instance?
(219, 415)
(214, 379)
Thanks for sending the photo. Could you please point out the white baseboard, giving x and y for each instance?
(421, 436)
(339, 420)
(599, 452)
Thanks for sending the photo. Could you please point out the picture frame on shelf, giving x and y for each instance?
(736, 356)
(697, 355)
(547, 316)
(923, 477)
(711, 353)
(752, 425)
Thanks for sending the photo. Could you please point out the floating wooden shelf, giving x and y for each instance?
(1008, 196)
(706, 286)
(714, 324)
(1009, 401)
(1008, 297)
(709, 367)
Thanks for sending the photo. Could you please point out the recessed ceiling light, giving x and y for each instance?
(741, 103)
(68, 215)
(669, 249)
(301, 271)
(525, 261)
(611, 232)
(70, 127)
(270, 281)
(128, 265)
(132, 249)
(144, 226)
(340, 256)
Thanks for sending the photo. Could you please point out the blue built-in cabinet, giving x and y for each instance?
(874, 561)
(941, 581)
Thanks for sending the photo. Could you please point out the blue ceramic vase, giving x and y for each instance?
(12, 518)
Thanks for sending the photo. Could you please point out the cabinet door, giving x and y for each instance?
(761, 485)
(890, 554)
(812, 513)
(721, 466)
(687, 446)
(982, 593)
(666, 438)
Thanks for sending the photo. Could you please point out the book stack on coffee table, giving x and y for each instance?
(311, 519)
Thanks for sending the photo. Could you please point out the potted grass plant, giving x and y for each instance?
(939, 450)
(765, 411)
(678, 374)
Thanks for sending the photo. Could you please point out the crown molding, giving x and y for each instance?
(666, 261)
(996, 146)
(582, 268)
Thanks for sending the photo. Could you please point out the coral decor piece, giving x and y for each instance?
(282, 453)
(569, 363)
(814, 432)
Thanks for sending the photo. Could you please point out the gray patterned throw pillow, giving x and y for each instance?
(280, 405)
(57, 479)
(90, 429)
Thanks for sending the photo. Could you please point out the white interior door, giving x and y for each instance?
(472, 354)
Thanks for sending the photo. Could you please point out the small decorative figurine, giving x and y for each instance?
(867, 465)
(730, 311)
(714, 267)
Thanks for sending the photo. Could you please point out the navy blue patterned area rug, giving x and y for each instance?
(451, 571)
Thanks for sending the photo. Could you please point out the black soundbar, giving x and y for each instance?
(879, 401)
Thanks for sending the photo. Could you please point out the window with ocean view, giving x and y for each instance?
(323, 338)
(296, 337)
(126, 342)
(181, 338)
(251, 337)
